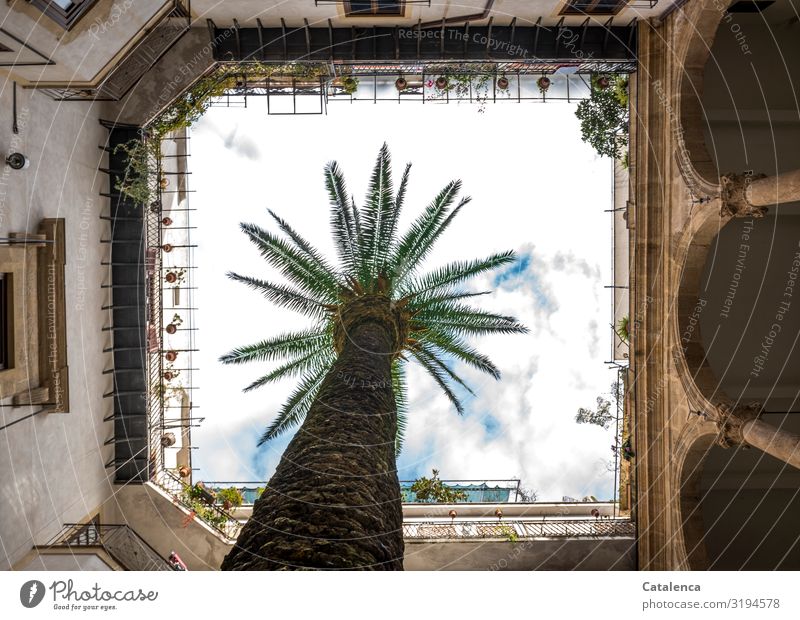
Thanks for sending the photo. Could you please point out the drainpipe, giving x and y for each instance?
(463, 18)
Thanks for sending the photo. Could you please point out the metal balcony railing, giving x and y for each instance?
(119, 541)
(518, 529)
(477, 491)
(210, 513)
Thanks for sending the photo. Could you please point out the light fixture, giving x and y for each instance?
(18, 161)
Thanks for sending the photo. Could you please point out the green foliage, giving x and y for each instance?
(350, 84)
(604, 118)
(509, 533)
(623, 329)
(602, 416)
(140, 182)
(200, 501)
(433, 490)
(374, 258)
(231, 495)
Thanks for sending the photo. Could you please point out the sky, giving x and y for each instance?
(536, 189)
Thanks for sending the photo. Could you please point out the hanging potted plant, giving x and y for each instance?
(167, 247)
(167, 221)
(171, 356)
(602, 82)
(171, 374)
(176, 322)
(543, 83)
(502, 82)
(175, 276)
(350, 84)
(441, 82)
(230, 498)
(400, 83)
(184, 471)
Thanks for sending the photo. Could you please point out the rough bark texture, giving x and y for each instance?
(334, 501)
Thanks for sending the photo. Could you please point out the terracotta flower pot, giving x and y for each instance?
(502, 83)
(168, 439)
(602, 82)
(543, 83)
(441, 82)
(168, 375)
(226, 505)
(167, 247)
(400, 84)
(171, 328)
(171, 356)
(171, 277)
(167, 221)
(184, 471)
(163, 182)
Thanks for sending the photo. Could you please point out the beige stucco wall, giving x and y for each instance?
(53, 464)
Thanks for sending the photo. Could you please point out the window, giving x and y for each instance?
(6, 313)
(355, 8)
(593, 7)
(64, 12)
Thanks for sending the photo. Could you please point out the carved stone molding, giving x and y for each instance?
(731, 420)
(733, 196)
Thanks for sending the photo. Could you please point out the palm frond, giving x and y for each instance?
(461, 319)
(440, 377)
(319, 358)
(376, 214)
(295, 409)
(283, 295)
(454, 273)
(453, 345)
(296, 266)
(289, 345)
(423, 301)
(418, 239)
(343, 217)
(313, 255)
(433, 357)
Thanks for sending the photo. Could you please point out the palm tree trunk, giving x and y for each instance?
(334, 501)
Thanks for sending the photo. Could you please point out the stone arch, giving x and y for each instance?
(699, 22)
(693, 445)
(697, 240)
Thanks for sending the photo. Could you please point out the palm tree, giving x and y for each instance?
(334, 500)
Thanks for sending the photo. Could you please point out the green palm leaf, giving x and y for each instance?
(292, 345)
(283, 296)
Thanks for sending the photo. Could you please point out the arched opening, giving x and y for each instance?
(749, 105)
(702, 26)
(750, 320)
(748, 503)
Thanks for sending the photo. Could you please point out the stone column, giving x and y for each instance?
(749, 195)
(740, 426)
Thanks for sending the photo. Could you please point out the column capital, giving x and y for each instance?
(731, 420)
(734, 198)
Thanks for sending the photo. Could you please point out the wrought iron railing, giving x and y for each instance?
(155, 43)
(513, 530)
(477, 491)
(119, 541)
(210, 513)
